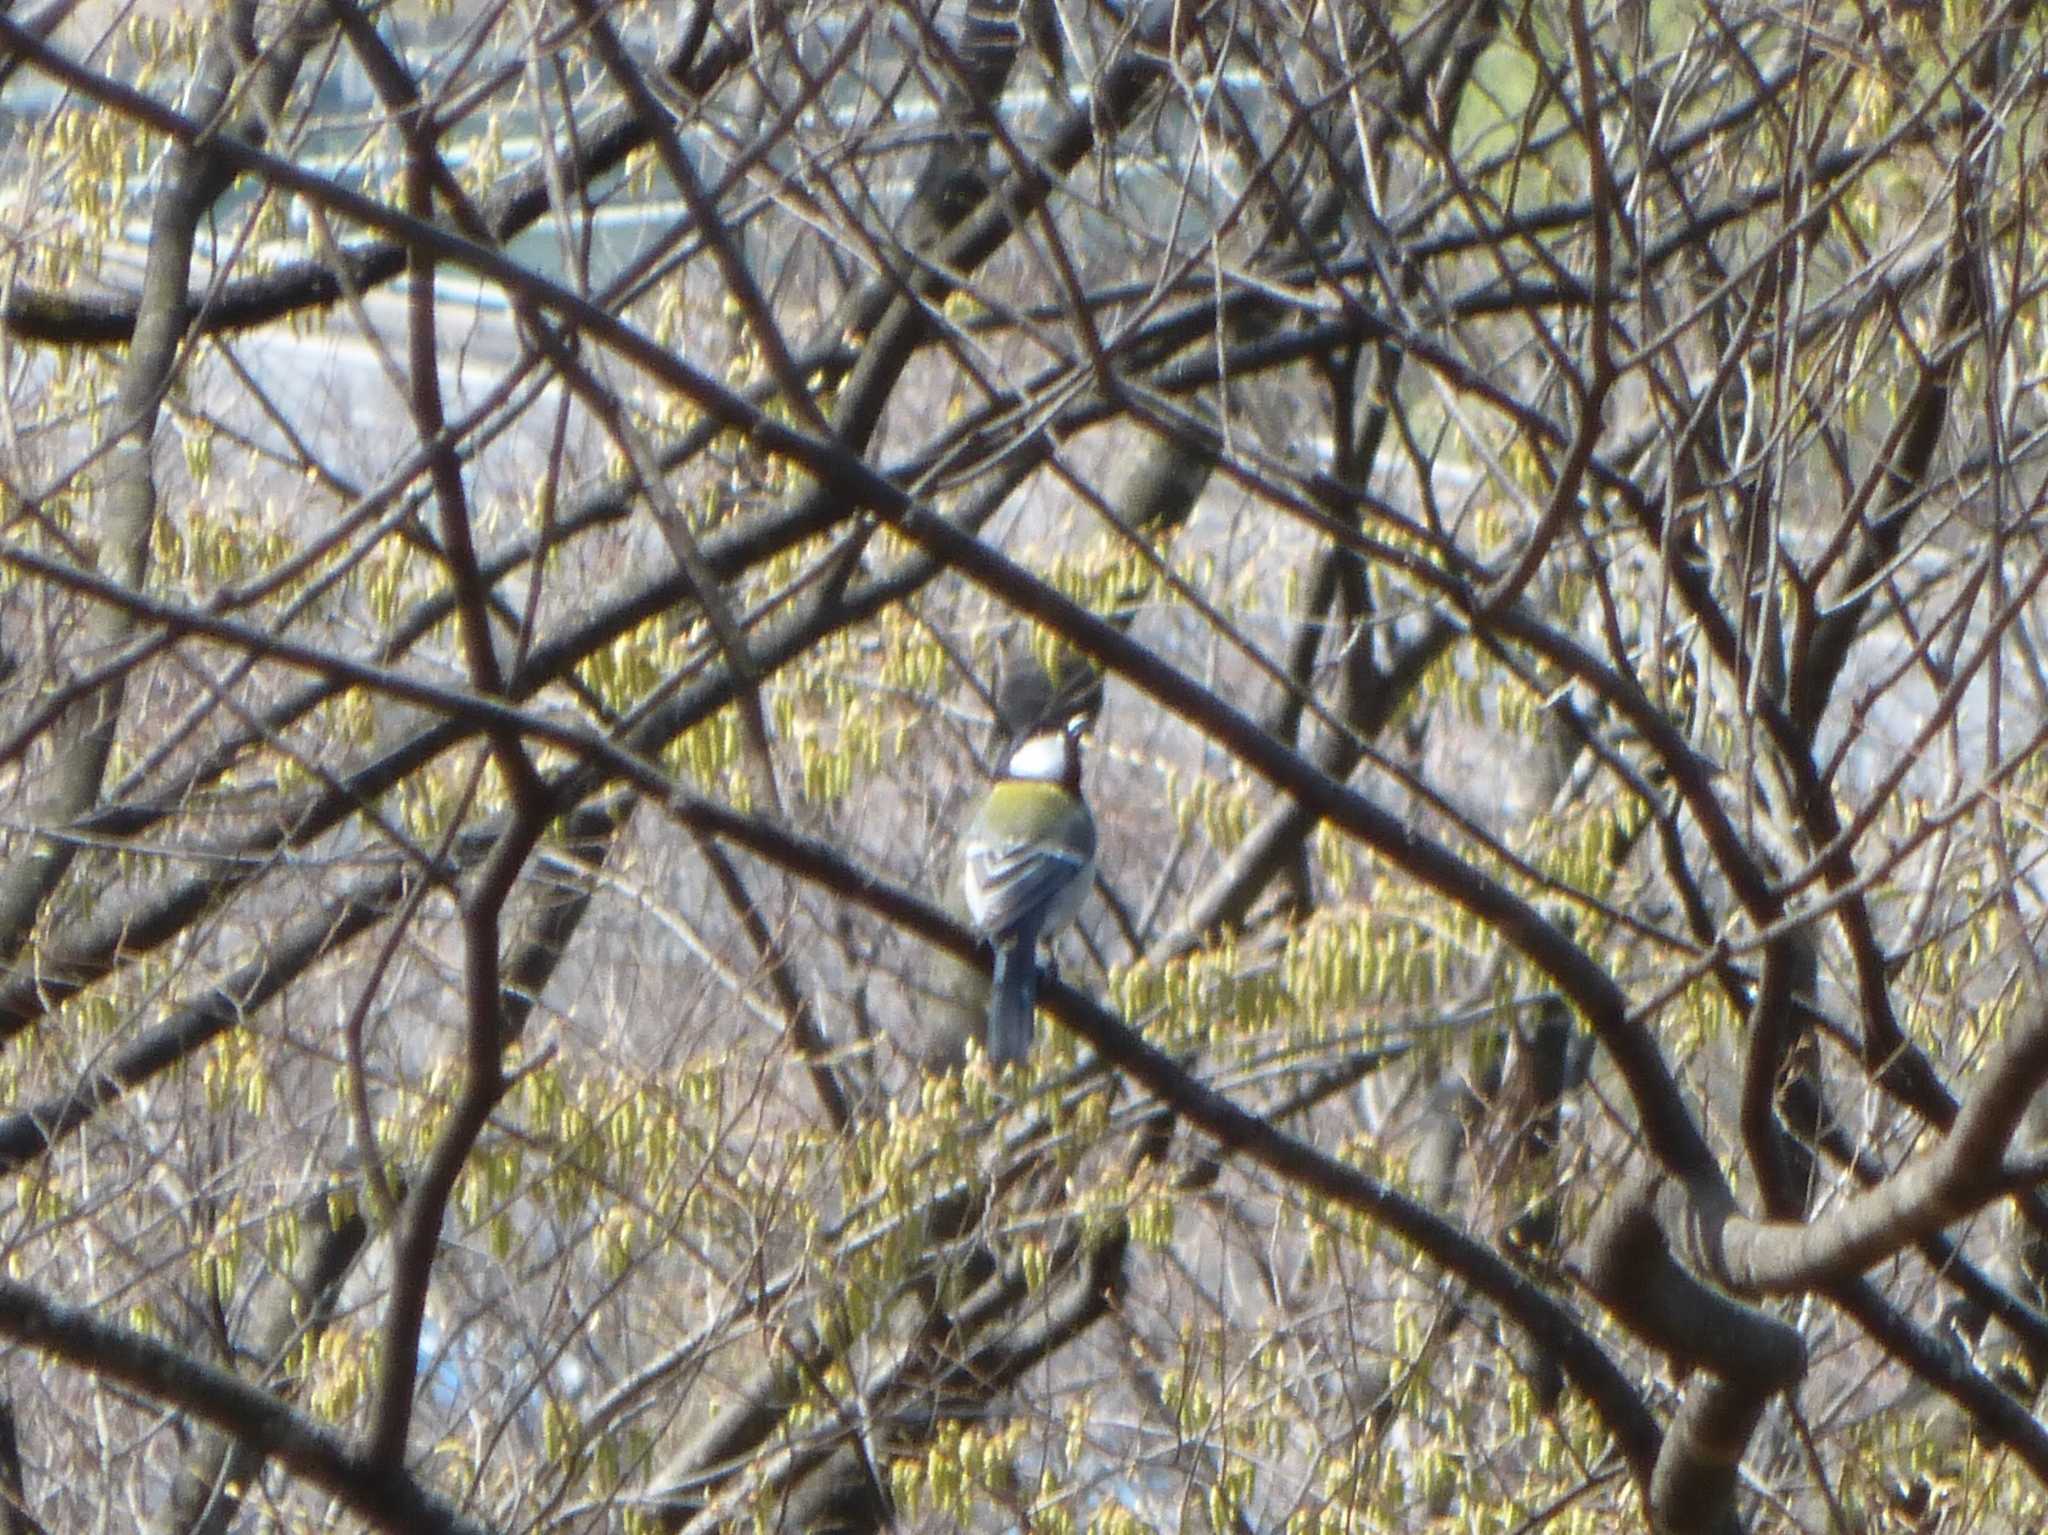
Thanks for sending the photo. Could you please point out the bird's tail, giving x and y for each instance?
(1012, 1000)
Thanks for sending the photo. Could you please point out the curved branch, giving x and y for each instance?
(383, 1495)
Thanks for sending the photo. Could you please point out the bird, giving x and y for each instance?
(1029, 857)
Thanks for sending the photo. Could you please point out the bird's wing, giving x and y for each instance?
(1007, 882)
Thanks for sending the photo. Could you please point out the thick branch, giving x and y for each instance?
(383, 1495)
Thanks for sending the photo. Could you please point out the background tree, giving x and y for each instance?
(516, 521)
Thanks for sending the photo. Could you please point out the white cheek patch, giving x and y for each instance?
(1042, 756)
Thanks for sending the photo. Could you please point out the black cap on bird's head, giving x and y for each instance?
(1028, 699)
